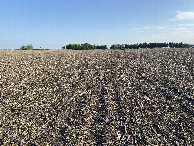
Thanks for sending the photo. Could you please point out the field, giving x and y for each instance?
(97, 97)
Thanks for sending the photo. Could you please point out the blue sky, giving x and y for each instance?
(54, 23)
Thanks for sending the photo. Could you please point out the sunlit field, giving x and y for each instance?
(96, 97)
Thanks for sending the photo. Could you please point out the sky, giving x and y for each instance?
(51, 24)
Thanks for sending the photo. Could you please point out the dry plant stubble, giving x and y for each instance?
(96, 97)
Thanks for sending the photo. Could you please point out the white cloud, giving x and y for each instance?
(187, 25)
(162, 28)
(181, 15)
(166, 33)
(150, 28)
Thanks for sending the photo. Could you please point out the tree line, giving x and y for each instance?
(87, 46)
(153, 45)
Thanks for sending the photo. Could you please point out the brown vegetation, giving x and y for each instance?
(96, 97)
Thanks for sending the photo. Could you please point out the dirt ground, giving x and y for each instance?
(97, 97)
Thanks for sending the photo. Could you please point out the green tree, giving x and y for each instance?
(23, 47)
(28, 47)
(113, 47)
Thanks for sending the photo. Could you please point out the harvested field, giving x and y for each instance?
(131, 97)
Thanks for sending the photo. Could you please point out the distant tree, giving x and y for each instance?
(28, 47)
(127, 46)
(171, 45)
(181, 45)
(85, 46)
(165, 44)
(102, 47)
(145, 45)
(120, 46)
(23, 47)
(113, 47)
(140, 45)
(70, 47)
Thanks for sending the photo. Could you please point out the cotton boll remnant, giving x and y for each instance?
(136, 97)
